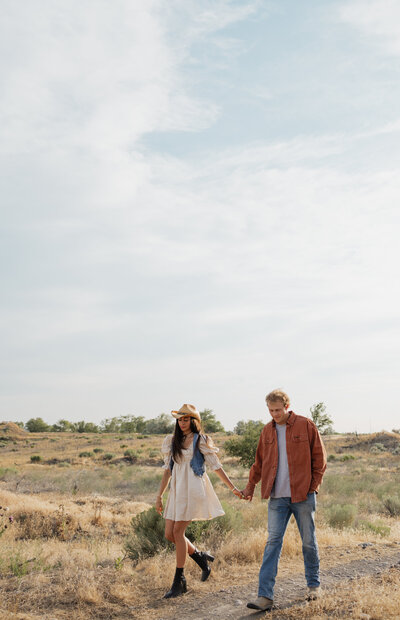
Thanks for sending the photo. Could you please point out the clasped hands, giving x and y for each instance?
(242, 494)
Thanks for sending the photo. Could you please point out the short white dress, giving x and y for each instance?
(191, 497)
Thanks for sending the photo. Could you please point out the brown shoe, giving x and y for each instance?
(262, 603)
(313, 593)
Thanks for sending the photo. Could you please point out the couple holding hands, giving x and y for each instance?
(290, 462)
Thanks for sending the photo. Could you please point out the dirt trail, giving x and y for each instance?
(230, 602)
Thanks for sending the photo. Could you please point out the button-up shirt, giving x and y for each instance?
(305, 453)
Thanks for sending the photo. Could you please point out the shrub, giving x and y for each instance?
(392, 505)
(131, 455)
(108, 456)
(59, 524)
(85, 454)
(216, 528)
(244, 447)
(97, 450)
(154, 453)
(377, 448)
(331, 458)
(341, 516)
(147, 537)
(36, 458)
(396, 450)
(123, 445)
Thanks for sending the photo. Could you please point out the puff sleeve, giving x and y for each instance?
(209, 451)
(166, 451)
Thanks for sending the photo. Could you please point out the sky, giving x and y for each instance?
(199, 204)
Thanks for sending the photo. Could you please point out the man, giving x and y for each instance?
(290, 462)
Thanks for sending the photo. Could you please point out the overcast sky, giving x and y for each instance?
(200, 203)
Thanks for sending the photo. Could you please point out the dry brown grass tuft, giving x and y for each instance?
(366, 599)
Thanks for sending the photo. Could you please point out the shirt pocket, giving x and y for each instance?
(299, 438)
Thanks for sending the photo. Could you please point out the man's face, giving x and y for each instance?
(279, 412)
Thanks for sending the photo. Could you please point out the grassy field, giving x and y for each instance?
(73, 496)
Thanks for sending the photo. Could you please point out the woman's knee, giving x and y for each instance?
(178, 531)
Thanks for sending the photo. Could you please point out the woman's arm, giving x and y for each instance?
(163, 486)
(226, 480)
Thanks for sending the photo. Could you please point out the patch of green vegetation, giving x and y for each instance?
(148, 539)
(341, 515)
(108, 456)
(392, 505)
(97, 450)
(378, 527)
(131, 455)
(86, 454)
(36, 458)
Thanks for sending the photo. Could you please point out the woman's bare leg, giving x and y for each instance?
(169, 535)
(181, 542)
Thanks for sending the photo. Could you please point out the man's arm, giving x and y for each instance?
(318, 457)
(255, 471)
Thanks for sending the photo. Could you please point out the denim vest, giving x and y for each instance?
(197, 461)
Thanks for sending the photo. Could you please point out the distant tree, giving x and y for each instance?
(84, 427)
(245, 445)
(62, 426)
(36, 425)
(132, 424)
(322, 420)
(210, 423)
(243, 426)
(162, 424)
(20, 424)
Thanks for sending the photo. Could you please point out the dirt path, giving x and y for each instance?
(230, 602)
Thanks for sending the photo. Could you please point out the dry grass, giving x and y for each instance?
(63, 558)
(367, 599)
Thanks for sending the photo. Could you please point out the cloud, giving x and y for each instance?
(378, 19)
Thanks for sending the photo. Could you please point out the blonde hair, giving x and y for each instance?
(276, 395)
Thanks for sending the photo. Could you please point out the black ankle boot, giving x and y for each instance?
(202, 558)
(178, 585)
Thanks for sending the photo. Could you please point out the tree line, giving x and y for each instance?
(162, 424)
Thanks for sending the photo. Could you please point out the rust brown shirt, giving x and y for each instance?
(305, 453)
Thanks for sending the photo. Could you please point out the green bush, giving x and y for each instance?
(131, 455)
(396, 450)
(36, 458)
(147, 537)
(85, 454)
(331, 458)
(244, 446)
(341, 516)
(392, 505)
(97, 450)
(108, 456)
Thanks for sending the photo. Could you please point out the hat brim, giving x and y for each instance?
(178, 415)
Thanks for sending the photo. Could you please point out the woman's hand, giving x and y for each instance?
(159, 505)
(238, 493)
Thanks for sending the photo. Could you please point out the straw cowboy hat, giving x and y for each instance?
(187, 410)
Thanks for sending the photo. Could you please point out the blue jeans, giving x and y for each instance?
(280, 510)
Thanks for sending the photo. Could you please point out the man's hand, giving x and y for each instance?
(246, 494)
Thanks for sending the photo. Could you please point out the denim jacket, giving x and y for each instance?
(197, 462)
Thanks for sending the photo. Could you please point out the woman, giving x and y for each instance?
(191, 496)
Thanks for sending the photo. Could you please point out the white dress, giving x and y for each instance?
(191, 497)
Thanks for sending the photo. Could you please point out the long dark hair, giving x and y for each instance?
(179, 437)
